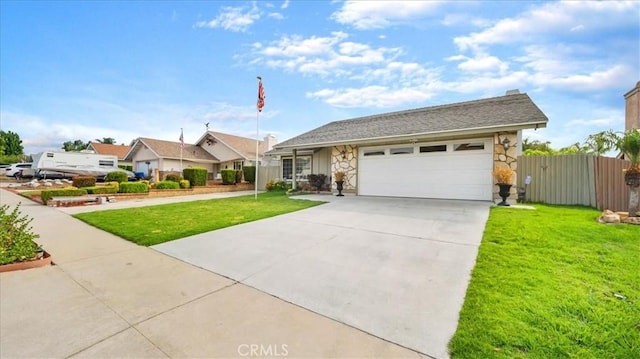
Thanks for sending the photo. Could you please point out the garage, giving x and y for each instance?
(458, 169)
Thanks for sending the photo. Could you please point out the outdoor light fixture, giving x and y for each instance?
(344, 154)
(506, 143)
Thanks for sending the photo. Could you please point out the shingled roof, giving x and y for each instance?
(245, 146)
(514, 111)
(169, 149)
(107, 149)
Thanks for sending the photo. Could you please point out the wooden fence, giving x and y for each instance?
(575, 180)
(266, 173)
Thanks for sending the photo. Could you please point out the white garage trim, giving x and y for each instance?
(459, 169)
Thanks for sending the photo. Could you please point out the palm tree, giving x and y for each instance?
(630, 145)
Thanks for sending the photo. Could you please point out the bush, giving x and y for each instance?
(102, 190)
(84, 181)
(280, 186)
(48, 194)
(167, 185)
(116, 176)
(16, 236)
(228, 176)
(174, 177)
(249, 173)
(238, 176)
(134, 187)
(114, 184)
(126, 167)
(184, 184)
(197, 176)
(317, 181)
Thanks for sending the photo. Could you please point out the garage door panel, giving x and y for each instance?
(451, 175)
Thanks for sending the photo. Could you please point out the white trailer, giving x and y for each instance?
(69, 164)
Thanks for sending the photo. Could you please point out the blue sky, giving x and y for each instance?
(85, 70)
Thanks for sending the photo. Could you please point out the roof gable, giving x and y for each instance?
(492, 113)
(243, 146)
(170, 149)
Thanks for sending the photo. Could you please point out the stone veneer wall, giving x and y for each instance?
(506, 159)
(347, 165)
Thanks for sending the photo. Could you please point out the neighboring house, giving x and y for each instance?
(632, 108)
(446, 151)
(213, 151)
(119, 151)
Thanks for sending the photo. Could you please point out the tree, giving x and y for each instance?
(629, 143)
(601, 142)
(75, 146)
(11, 144)
(107, 140)
(535, 147)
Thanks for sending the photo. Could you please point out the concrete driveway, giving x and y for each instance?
(395, 268)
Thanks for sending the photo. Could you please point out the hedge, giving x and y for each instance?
(184, 184)
(249, 173)
(84, 181)
(174, 177)
(167, 185)
(134, 187)
(113, 184)
(116, 176)
(126, 167)
(276, 186)
(228, 176)
(238, 176)
(48, 194)
(102, 190)
(197, 176)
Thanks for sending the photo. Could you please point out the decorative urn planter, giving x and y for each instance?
(505, 191)
(632, 179)
(339, 188)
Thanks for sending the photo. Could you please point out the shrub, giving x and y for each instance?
(174, 177)
(184, 184)
(84, 181)
(134, 187)
(48, 194)
(114, 184)
(238, 176)
(16, 236)
(116, 176)
(167, 185)
(339, 176)
(274, 185)
(228, 176)
(317, 181)
(102, 190)
(197, 176)
(249, 173)
(503, 175)
(126, 167)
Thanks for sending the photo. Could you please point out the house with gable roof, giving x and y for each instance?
(213, 150)
(447, 151)
(119, 151)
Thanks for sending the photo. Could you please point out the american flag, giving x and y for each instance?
(181, 139)
(261, 96)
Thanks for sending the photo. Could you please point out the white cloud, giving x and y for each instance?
(480, 63)
(237, 19)
(380, 14)
(371, 96)
(276, 15)
(285, 4)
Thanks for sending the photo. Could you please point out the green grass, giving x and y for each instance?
(544, 286)
(157, 224)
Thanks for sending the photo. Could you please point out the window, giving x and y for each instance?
(237, 165)
(374, 153)
(470, 146)
(435, 148)
(106, 163)
(303, 167)
(401, 151)
(49, 154)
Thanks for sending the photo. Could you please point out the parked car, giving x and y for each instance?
(12, 170)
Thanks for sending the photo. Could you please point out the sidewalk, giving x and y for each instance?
(106, 297)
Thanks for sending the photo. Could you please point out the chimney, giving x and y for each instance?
(632, 108)
(269, 141)
(512, 92)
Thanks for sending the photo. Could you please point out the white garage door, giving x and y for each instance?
(452, 170)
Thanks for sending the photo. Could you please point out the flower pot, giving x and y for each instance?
(632, 179)
(505, 191)
(339, 188)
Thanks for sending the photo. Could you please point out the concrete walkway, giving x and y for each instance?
(109, 298)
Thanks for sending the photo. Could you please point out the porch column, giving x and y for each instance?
(294, 183)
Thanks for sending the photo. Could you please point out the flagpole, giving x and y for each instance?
(181, 147)
(257, 146)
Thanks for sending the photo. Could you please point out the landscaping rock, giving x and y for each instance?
(48, 184)
(632, 220)
(610, 218)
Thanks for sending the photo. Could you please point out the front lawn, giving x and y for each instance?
(157, 224)
(552, 283)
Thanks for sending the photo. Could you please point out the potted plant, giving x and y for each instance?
(504, 179)
(339, 176)
(629, 144)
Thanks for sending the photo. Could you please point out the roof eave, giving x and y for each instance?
(423, 135)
